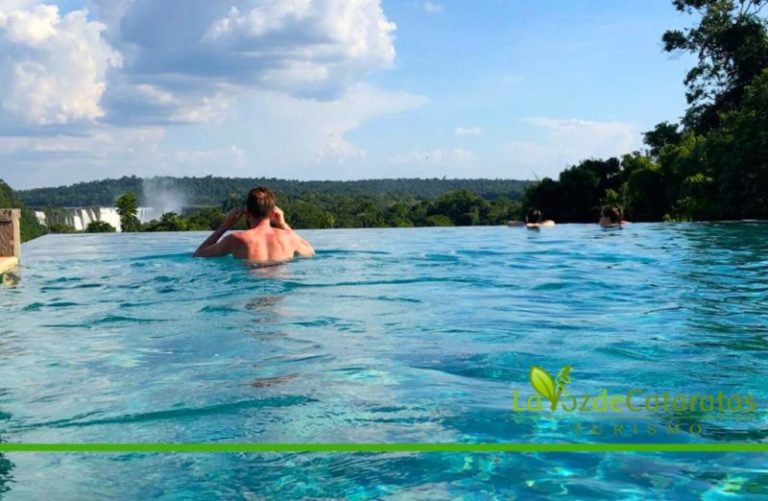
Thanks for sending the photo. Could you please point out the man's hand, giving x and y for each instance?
(232, 218)
(277, 218)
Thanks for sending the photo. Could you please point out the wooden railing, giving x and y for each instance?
(10, 239)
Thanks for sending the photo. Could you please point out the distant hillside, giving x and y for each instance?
(30, 228)
(212, 191)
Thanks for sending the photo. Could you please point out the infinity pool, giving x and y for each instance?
(392, 335)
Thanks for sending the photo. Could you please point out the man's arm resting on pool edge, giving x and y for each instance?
(212, 247)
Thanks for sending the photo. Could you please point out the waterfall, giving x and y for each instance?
(147, 214)
(80, 217)
(110, 215)
(82, 222)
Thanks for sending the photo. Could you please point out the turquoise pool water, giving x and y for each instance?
(412, 335)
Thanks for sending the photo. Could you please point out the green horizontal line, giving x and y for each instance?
(373, 447)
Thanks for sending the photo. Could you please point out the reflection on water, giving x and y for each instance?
(269, 270)
(386, 336)
(263, 304)
(5, 474)
(10, 279)
(6, 466)
(270, 381)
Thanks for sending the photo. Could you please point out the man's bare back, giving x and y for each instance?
(269, 238)
(269, 244)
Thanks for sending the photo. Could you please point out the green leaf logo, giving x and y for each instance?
(547, 387)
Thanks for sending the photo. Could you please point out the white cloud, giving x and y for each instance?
(102, 142)
(568, 141)
(273, 84)
(305, 48)
(337, 148)
(109, 152)
(434, 162)
(432, 7)
(207, 109)
(467, 131)
(53, 160)
(232, 155)
(315, 49)
(436, 155)
(151, 104)
(267, 133)
(52, 68)
(300, 134)
(9, 5)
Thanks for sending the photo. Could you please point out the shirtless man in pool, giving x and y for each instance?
(269, 238)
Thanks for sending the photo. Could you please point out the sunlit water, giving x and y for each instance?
(412, 335)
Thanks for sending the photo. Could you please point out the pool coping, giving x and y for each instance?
(8, 263)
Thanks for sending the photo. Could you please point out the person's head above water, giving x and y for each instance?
(534, 215)
(610, 215)
(260, 204)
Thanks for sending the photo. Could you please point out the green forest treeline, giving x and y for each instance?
(314, 210)
(307, 204)
(211, 191)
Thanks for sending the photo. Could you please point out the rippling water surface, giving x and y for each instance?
(412, 335)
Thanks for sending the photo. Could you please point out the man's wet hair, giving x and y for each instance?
(534, 215)
(261, 202)
(613, 212)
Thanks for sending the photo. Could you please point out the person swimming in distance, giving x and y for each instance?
(533, 219)
(611, 216)
(268, 239)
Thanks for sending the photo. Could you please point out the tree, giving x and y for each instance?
(664, 134)
(127, 208)
(577, 195)
(439, 220)
(204, 219)
(61, 228)
(501, 211)
(462, 207)
(398, 215)
(170, 221)
(645, 194)
(30, 227)
(368, 213)
(644, 190)
(699, 198)
(684, 168)
(307, 215)
(739, 155)
(100, 227)
(732, 46)
(233, 201)
(544, 196)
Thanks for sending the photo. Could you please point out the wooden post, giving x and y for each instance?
(10, 239)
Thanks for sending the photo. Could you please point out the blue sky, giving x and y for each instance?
(329, 89)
